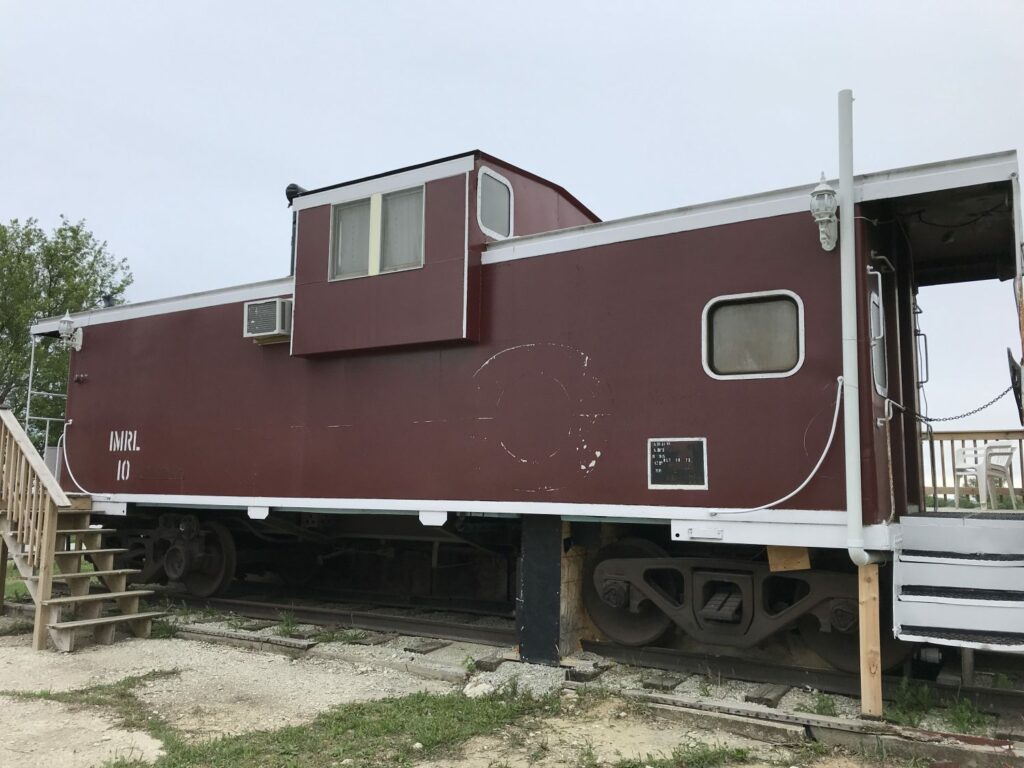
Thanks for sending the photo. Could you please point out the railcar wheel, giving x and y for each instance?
(610, 611)
(215, 569)
(841, 649)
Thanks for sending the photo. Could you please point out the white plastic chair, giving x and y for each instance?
(987, 464)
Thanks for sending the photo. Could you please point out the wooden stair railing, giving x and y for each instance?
(42, 529)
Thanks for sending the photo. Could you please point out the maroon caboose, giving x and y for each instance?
(468, 374)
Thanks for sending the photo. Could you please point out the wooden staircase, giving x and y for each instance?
(48, 535)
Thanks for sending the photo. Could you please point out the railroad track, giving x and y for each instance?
(418, 622)
(1001, 700)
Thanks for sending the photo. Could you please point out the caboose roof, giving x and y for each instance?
(994, 170)
(898, 183)
(411, 175)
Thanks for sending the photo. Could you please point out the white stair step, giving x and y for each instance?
(962, 535)
(987, 618)
(962, 574)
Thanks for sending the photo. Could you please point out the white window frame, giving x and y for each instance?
(659, 487)
(485, 171)
(706, 336)
(373, 268)
(423, 230)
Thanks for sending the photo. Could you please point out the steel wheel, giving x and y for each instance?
(842, 649)
(216, 569)
(621, 625)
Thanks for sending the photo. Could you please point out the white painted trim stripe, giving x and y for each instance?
(391, 183)
(801, 527)
(877, 186)
(465, 263)
(236, 294)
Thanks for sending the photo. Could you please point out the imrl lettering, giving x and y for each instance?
(124, 440)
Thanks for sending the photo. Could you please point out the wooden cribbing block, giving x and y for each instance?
(788, 559)
(769, 694)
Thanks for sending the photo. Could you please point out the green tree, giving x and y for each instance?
(44, 275)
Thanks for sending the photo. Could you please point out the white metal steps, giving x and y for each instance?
(959, 580)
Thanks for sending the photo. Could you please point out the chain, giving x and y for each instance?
(980, 408)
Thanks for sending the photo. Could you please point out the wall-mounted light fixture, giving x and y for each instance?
(824, 204)
(70, 336)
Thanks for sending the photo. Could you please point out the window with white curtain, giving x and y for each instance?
(380, 233)
(351, 240)
(402, 230)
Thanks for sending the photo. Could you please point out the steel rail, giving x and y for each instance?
(1001, 700)
(412, 624)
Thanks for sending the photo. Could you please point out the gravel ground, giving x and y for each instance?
(45, 734)
(220, 689)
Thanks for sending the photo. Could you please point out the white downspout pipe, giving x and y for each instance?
(851, 373)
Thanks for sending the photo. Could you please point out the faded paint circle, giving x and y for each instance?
(539, 413)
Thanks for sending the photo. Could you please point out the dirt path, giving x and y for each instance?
(219, 690)
(45, 734)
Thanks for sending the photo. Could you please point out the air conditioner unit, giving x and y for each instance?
(268, 320)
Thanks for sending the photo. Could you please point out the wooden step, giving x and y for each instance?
(69, 531)
(64, 633)
(65, 552)
(93, 597)
(57, 577)
(121, 618)
(80, 502)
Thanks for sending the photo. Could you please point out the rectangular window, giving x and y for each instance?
(381, 233)
(402, 230)
(759, 335)
(350, 240)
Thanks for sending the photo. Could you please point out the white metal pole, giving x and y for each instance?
(31, 371)
(851, 372)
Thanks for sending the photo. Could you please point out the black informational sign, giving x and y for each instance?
(678, 462)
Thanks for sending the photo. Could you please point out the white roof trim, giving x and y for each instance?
(876, 186)
(383, 184)
(234, 294)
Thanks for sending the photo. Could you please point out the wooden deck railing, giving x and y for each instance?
(942, 449)
(29, 502)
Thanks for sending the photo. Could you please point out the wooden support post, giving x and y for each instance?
(967, 667)
(870, 643)
(580, 541)
(3, 573)
(540, 576)
(44, 585)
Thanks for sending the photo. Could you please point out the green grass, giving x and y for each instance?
(286, 624)
(698, 755)
(379, 733)
(912, 702)
(117, 697)
(16, 627)
(963, 717)
(339, 635)
(163, 630)
(823, 705)
(14, 587)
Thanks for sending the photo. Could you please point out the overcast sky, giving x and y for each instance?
(173, 128)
